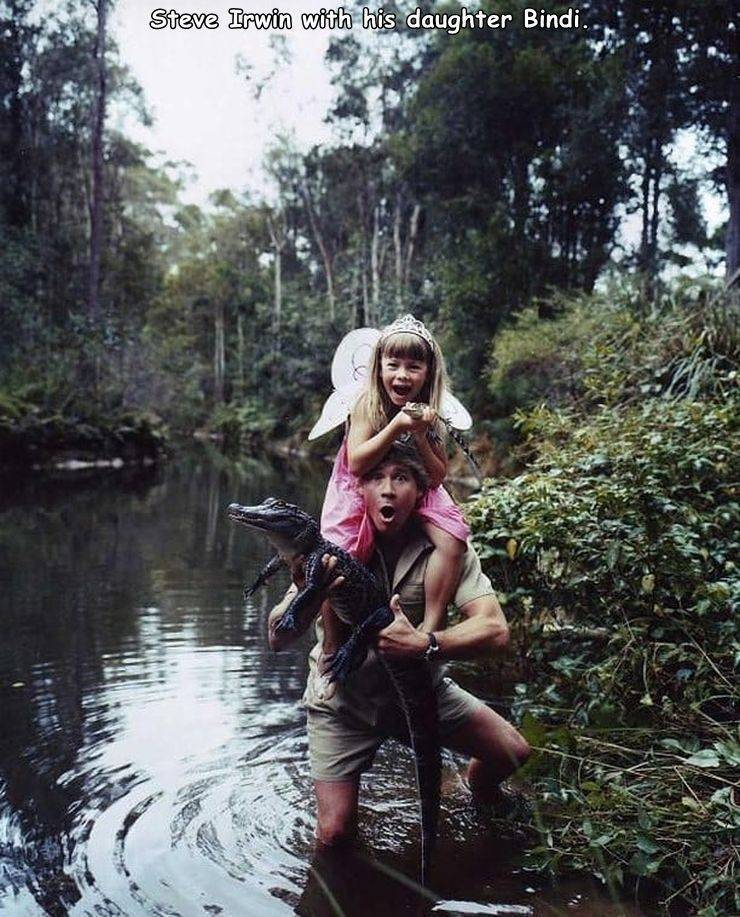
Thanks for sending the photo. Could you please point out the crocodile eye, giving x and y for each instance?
(280, 503)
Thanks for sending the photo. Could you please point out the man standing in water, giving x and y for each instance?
(347, 724)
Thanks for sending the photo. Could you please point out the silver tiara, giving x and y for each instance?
(407, 324)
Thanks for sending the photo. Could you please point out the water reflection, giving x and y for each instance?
(152, 751)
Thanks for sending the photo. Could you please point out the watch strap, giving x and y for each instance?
(433, 647)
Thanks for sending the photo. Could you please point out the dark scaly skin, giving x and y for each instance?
(361, 602)
(415, 409)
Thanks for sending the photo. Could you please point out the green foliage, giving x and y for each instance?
(535, 359)
(243, 425)
(31, 434)
(613, 347)
(616, 556)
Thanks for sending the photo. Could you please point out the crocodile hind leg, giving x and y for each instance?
(352, 653)
(269, 570)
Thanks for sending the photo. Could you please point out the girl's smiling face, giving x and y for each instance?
(403, 378)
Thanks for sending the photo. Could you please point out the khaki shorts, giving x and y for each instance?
(341, 746)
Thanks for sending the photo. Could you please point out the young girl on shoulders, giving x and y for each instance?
(406, 366)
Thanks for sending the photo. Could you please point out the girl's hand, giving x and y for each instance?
(416, 422)
(429, 416)
(405, 423)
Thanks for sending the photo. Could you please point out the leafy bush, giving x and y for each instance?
(612, 348)
(32, 434)
(535, 359)
(243, 424)
(616, 556)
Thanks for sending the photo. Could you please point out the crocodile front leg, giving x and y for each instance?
(305, 606)
(270, 569)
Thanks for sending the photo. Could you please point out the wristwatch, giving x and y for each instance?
(433, 647)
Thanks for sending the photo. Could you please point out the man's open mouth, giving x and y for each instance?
(387, 512)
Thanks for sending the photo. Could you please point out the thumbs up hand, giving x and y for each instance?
(401, 639)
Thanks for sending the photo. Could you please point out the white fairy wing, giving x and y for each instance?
(457, 414)
(348, 371)
(336, 410)
(352, 358)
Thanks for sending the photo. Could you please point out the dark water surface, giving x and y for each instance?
(153, 751)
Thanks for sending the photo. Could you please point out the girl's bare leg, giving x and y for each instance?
(442, 575)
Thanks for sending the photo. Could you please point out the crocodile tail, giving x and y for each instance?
(415, 690)
(465, 449)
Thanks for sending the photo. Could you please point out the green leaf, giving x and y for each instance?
(643, 819)
(642, 865)
(647, 845)
(612, 554)
(704, 758)
(602, 840)
(729, 751)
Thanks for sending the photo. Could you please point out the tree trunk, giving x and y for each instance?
(219, 355)
(654, 207)
(326, 256)
(362, 213)
(278, 288)
(98, 190)
(398, 249)
(16, 192)
(732, 240)
(411, 243)
(277, 237)
(361, 317)
(645, 210)
(520, 178)
(375, 264)
(240, 352)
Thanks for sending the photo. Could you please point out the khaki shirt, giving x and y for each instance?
(367, 689)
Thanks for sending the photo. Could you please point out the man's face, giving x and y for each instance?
(391, 494)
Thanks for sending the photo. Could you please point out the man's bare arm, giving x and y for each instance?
(278, 641)
(483, 631)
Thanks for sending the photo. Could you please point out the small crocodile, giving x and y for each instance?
(359, 601)
(415, 409)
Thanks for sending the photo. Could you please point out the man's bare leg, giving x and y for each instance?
(495, 748)
(336, 803)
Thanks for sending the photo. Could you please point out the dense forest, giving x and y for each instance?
(471, 175)
(539, 198)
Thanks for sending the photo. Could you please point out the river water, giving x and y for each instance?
(152, 749)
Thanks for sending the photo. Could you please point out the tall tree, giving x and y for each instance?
(16, 38)
(97, 161)
(681, 74)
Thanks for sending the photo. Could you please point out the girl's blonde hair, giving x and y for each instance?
(375, 402)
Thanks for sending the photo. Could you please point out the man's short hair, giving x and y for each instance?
(404, 453)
